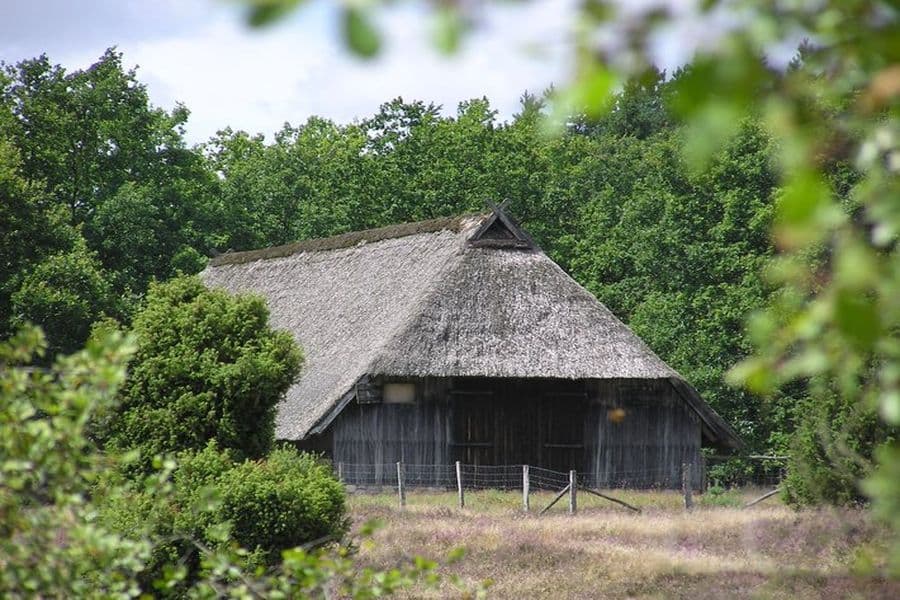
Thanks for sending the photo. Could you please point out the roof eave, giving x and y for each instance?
(723, 435)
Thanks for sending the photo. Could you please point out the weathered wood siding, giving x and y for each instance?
(640, 433)
(379, 434)
(555, 424)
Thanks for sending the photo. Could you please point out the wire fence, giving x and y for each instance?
(767, 472)
(526, 478)
(499, 477)
(753, 470)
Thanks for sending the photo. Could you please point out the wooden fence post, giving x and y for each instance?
(573, 486)
(400, 491)
(526, 485)
(704, 482)
(459, 486)
(340, 473)
(686, 486)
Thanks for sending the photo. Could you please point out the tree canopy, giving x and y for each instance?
(673, 251)
(99, 185)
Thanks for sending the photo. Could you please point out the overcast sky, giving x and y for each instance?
(200, 53)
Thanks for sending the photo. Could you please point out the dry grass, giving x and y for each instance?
(768, 551)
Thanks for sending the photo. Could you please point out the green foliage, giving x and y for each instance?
(85, 155)
(49, 545)
(30, 228)
(72, 527)
(64, 294)
(287, 500)
(86, 133)
(266, 506)
(47, 275)
(882, 488)
(306, 184)
(265, 12)
(142, 232)
(832, 450)
(208, 367)
(362, 37)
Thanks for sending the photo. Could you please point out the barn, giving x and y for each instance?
(459, 339)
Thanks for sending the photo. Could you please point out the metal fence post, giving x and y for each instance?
(459, 485)
(526, 484)
(573, 486)
(340, 472)
(400, 491)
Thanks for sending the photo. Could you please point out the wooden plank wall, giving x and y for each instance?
(639, 434)
(382, 434)
(554, 424)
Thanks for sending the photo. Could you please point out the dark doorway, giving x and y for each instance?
(518, 421)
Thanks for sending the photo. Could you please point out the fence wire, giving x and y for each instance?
(510, 477)
(764, 471)
(501, 477)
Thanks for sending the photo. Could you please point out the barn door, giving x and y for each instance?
(564, 417)
(473, 427)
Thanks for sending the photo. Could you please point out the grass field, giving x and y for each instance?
(715, 551)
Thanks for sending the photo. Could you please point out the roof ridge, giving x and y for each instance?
(348, 240)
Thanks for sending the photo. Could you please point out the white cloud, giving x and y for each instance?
(256, 81)
(203, 55)
(229, 75)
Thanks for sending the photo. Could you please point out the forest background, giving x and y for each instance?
(102, 195)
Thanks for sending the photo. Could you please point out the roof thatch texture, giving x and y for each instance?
(502, 313)
(419, 300)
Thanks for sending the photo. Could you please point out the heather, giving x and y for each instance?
(766, 551)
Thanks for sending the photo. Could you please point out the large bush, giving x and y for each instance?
(833, 450)
(208, 367)
(266, 506)
(286, 500)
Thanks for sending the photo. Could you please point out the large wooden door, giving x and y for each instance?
(511, 422)
(474, 427)
(563, 416)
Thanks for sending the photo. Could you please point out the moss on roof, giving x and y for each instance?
(346, 240)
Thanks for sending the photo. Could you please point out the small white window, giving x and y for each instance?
(399, 393)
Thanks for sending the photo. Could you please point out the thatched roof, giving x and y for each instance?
(468, 296)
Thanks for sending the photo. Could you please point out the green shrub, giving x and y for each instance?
(832, 450)
(266, 506)
(287, 500)
(64, 294)
(208, 367)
